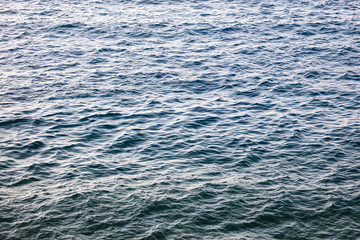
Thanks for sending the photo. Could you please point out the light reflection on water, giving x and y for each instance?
(179, 120)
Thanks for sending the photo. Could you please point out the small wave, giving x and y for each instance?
(25, 181)
(14, 122)
(127, 141)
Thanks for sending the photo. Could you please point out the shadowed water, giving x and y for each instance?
(184, 119)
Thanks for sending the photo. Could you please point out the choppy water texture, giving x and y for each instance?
(184, 119)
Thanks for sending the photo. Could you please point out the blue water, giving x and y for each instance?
(186, 119)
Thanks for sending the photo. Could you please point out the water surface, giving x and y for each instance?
(184, 119)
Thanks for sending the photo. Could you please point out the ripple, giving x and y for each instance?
(14, 122)
(179, 120)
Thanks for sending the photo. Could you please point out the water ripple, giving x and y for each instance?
(179, 119)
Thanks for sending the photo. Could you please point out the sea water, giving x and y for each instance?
(189, 119)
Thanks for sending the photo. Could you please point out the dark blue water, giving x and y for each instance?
(184, 119)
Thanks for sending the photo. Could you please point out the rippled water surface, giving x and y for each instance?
(187, 119)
